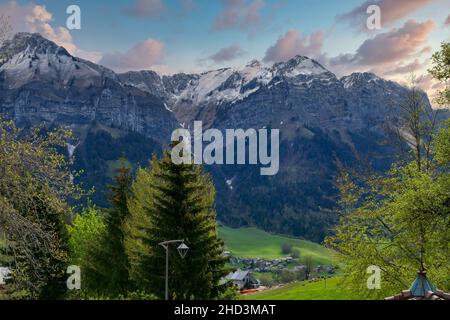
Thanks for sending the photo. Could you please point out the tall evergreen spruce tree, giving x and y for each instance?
(114, 263)
(182, 208)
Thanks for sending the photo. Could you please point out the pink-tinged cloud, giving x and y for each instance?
(391, 11)
(396, 45)
(293, 43)
(36, 18)
(426, 50)
(389, 48)
(144, 55)
(227, 54)
(245, 15)
(146, 8)
(432, 87)
(404, 69)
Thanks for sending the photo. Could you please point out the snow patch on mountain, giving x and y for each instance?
(305, 67)
(256, 71)
(233, 85)
(30, 56)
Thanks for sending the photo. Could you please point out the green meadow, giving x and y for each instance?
(328, 289)
(255, 243)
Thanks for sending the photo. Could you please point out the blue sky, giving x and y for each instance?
(105, 27)
(196, 35)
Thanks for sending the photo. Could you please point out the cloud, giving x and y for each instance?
(165, 70)
(389, 48)
(146, 8)
(142, 56)
(92, 56)
(293, 43)
(432, 87)
(447, 21)
(426, 50)
(244, 15)
(227, 54)
(36, 18)
(395, 45)
(408, 68)
(391, 11)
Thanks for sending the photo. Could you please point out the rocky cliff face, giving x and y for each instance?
(293, 94)
(41, 83)
(320, 117)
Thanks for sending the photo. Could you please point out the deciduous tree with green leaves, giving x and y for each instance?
(400, 222)
(86, 232)
(35, 183)
(441, 71)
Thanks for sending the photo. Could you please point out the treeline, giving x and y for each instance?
(116, 249)
(119, 247)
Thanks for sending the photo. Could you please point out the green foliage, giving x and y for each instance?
(98, 245)
(401, 223)
(442, 146)
(35, 183)
(328, 289)
(266, 279)
(441, 71)
(287, 276)
(86, 233)
(179, 204)
(309, 264)
(295, 253)
(230, 293)
(113, 261)
(136, 235)
(286, 248)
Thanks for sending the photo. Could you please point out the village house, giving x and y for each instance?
(243, 280)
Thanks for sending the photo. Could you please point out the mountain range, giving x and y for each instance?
(321, 118)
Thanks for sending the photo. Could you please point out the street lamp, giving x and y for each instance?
(182, 251)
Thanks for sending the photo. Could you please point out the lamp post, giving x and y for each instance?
(182, 250)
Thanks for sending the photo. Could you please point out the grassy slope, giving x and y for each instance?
(254, 243)
(306, 291)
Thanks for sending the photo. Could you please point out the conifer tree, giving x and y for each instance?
(181, 208)
(113, 260)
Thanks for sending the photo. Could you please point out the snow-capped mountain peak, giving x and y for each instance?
(299, 65)
(358, 79)
(31, 56)
(32, 43)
